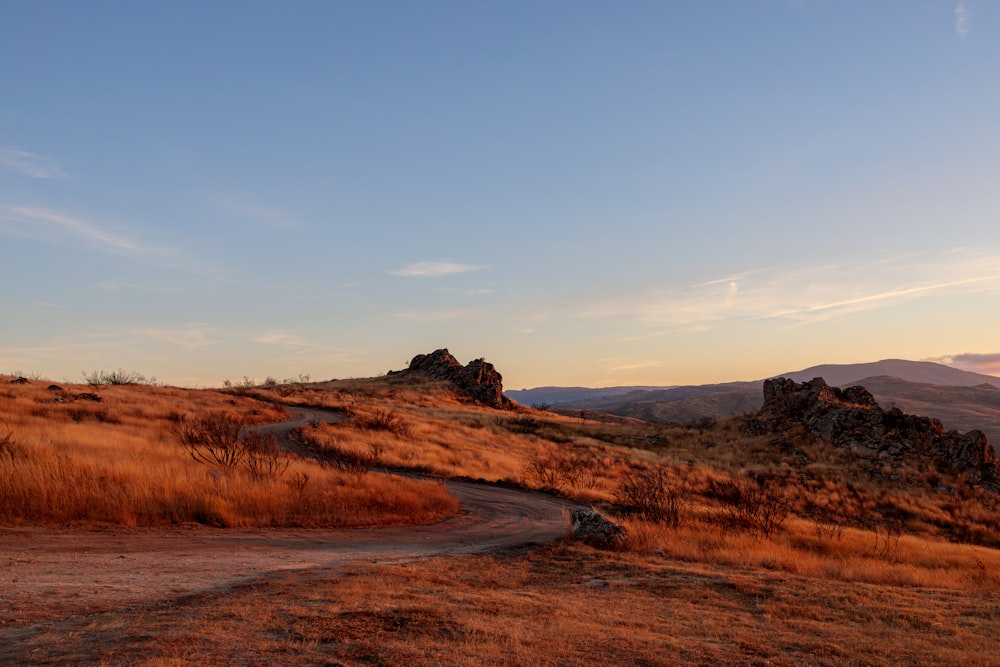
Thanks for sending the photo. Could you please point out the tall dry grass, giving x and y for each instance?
(71, 460)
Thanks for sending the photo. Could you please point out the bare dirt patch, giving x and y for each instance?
(54, 573)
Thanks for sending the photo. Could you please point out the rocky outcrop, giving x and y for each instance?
(852, 419)
(478, 380)
(590, 527)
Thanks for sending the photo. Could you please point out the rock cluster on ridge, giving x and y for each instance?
(852, 419)
(478, 380)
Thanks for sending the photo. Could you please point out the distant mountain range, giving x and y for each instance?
(562, 395)
(960, 399)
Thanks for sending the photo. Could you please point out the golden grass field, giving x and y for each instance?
(860, 571)
(117, 461)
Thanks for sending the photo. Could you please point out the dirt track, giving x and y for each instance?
(50, 574)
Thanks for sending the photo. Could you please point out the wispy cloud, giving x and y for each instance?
(80, 350)
(962, 16)
(53, 221)
(293, 346)
(281, 338)
(861, 301)
(430, 269)
(616, 365)
(29, 164)
(190, 336)
(796, 295)
(988, 364)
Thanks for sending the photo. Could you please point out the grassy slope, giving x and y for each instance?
(68, 460)
(703, 592)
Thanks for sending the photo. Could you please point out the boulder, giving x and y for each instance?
(591, 527)
(478, 380)
(852, 419)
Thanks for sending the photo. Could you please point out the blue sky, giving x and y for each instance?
(584, 193)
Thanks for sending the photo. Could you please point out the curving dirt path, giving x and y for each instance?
(53, 574)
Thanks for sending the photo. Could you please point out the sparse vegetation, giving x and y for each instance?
(121, 376)
(778, 533)
(136, 455)
(652, 496)
(755, 504)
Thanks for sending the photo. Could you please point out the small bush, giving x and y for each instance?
(214, 438)
(356, 462)
(748, 503)
(384, 420)
(651, 496)
(264, 457)
(828, 523)
(561, 470)
(117, 377)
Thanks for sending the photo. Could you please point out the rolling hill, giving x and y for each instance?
(962, 400)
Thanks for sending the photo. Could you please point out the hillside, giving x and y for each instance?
(960, 399)
(823, 530)
(564, 395)
(921, 372)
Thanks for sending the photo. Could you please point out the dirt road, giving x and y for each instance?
(50, 574)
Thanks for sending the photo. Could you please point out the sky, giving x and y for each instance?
(584, 193)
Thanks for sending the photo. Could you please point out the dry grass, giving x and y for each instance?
(589, 460)
(69, 460)
(565, 605)
(842, 587)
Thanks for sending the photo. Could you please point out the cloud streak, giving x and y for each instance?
(40, 219)
(796, 295)
(962, 16)
(431, 269)
(848, 304)
(987, 364)
(281, 338)
(191, 336)
(29, 164)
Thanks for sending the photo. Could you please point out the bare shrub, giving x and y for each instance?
(298, 482)
(358, 462)
(523, 424)
(384, 420)
(117, 377)
(241, 387)
(887, 533)
(561, 470)
(828, 523)
(264, 457)
(750, 503)
(213, 438)
(651, 495)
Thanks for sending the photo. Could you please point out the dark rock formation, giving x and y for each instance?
(54, 387)
(20, 380)
(852, 419)
(88, 396)
(478, 380)
(590, 527)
